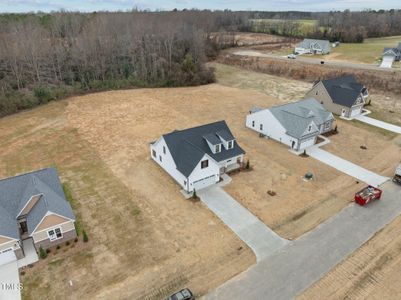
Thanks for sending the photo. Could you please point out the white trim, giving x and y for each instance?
(37, 241)
(48, 214)
(26, 204)
(49, 228)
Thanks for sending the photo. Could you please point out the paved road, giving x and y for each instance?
(314, 61)
(378, 123)
(346, 167)
(260, 238)
(295, 267)
(9, 275)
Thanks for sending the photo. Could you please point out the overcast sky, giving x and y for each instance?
(272, 5)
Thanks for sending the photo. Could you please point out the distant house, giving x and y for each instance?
(390, 55)
(311, 46)
(294, 124)
(33, 206)
(343, 96)
(196, 157)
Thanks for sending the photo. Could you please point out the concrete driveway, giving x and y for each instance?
(295, 267)
(260, 238)
(346, 166)
(9, 281)
(378, 123)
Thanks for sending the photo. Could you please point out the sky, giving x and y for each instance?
(267, 5)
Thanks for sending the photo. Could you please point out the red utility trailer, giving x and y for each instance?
(367, 195)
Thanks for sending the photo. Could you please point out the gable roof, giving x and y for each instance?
(188, 146)
(16, 191)
(343, 90)
(295, 117)
(308, 43)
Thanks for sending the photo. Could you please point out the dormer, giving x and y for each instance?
(226, 138)
(213, 142)
(29, 205)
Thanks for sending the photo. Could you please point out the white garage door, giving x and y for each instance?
(355, 111)
(7, 256)
(205, 182)
(387, 62)
(307, 143)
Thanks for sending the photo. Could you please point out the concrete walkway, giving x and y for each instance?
(346, 167)
(260, 238)
(30, 254)
(378, 123)
(295, 267)
(9, 282)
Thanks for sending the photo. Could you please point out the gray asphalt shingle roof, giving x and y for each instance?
(309, 43)
(296, 116)
(343, 90)
(188, 146)
(16, 191)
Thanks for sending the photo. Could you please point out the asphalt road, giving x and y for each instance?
(296, 266)
(314, 61)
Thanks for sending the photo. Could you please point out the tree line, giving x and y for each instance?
(44, 57)
(344, 26)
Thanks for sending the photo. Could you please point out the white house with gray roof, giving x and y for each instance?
(312, 46)
(196, 157)
(295, 124)
(33, 206)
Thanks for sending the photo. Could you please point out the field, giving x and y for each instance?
(277, 26)
(145, 239)
(368, 52)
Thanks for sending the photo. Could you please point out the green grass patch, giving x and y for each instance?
(74, 205)
(388, 134)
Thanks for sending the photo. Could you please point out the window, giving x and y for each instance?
(204, 164)
(253, 123)
(217, 148)
(164, 149)
(230, 144)
(261, 127)
(160, 158)
(310, 128)
(55, 234)
(154, 153)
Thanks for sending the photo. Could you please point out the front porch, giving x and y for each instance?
(30, 255)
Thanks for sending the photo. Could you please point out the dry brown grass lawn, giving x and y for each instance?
(145, 239)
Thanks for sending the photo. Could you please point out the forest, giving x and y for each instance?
(344, 26)
(45, 57)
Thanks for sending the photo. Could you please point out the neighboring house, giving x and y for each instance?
(396, 52)
(390, 55)
(311, 46)
(295, 124)
(342, 96)
(33, 205)
(196, 157)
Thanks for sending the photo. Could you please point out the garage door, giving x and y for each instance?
(387, 62)
(205, 182)
(7, 256)
(307, 143)
(355, 111)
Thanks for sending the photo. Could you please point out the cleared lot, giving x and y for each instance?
(145, 239)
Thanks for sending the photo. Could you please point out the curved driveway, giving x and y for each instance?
(260, 238)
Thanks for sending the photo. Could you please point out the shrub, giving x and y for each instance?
(58, 247)
(67, 243)
(48, 250)
(76, 240)
(247, 166)
(194, 196)
(42, 93)
(85, 236)
(42, 253)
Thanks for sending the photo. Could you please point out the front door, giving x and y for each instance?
(293, 144)
(23, 227)
(343, 111)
